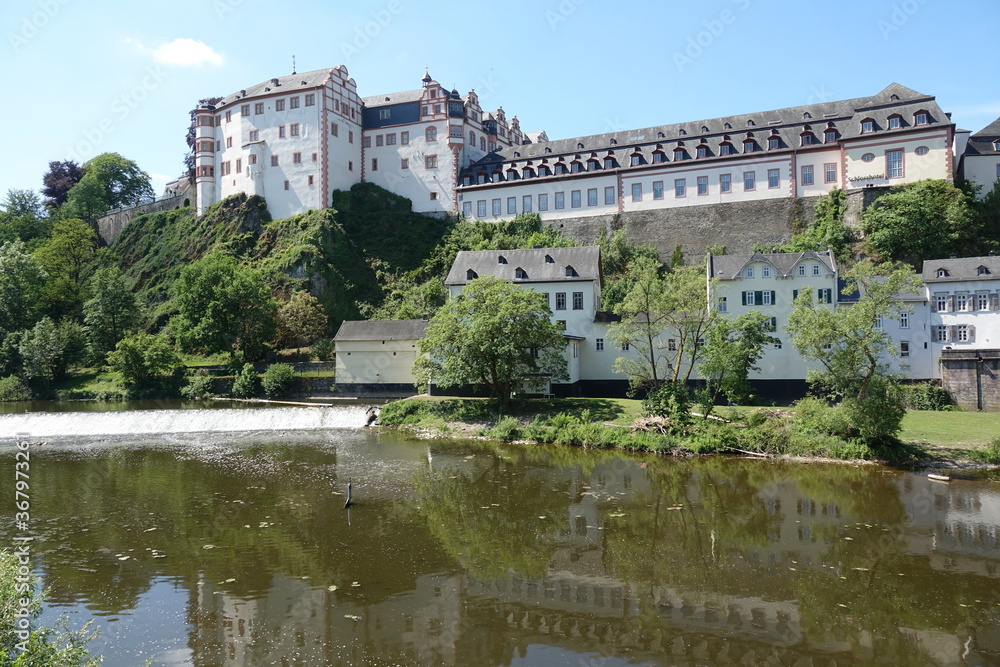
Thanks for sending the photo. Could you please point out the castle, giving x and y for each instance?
(295, 139)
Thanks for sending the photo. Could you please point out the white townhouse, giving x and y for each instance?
(896, 136)
(980, 161)
(378, 356)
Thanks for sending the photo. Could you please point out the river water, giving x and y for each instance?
(235, 549)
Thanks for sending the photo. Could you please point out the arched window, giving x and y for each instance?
(431, 134)
(471, 275)
(520, 274)
(571, 272)
(472, 138)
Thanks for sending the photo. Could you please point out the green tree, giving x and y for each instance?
(87, 201)
(664, 319)
(22, 217)
(302, 319)
(495, 334)
(123, 182)
(66, 258)
(732, 349)
(21, 280)
(617, 253)
(827, 231)
(112, 312)
(988, 216)
(853, 349)
(223, 306)
(141, 358)
(923, 220)
(48, 350)
(37, 646)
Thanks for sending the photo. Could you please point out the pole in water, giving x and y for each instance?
(348, 503)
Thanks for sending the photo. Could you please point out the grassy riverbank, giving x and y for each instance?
(927, 436)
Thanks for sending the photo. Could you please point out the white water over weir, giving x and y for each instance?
(149, 422)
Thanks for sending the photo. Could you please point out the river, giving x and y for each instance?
(234, 548)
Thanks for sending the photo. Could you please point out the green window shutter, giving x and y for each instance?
(774, 297)
(758, 297)
(774, 324)
(744, 295)
(795, 294)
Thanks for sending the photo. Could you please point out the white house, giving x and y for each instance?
(377, 356)
(980, 161)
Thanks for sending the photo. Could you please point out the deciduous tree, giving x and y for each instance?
(142, 358)
(302, 319)
(22, 217)
(495, 334)
(112, 312)
(59, 180)
(66, 258)
(21, 280)
(732, 349)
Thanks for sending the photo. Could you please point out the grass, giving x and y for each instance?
(950, 430)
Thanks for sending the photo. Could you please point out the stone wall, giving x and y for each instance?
(857, 201)
(111, 225)
(737, 225)
(970, 376)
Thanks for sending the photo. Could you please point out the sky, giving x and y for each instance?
(85, 78)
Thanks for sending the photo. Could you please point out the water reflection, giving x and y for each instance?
(472, 554)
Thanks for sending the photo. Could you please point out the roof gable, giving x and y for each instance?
(535, 265)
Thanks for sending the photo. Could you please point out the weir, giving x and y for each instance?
(149, 422)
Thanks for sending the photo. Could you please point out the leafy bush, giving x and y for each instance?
(668, 400)
(13, 388)
(813, 415)
(928, 396)
(199, 385)
(278, 380)
(398, 413)
(141, 358)
(507, 429)
(245, 382)
(323, 349)
(991, 454)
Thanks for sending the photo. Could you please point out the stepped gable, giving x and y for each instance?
(542, 265)
(364, 330)
(280, 85)
(729, 267)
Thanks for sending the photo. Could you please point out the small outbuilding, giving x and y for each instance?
(377, 356)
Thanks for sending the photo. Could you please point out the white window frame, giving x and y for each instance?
(765, 272)
(894, 166)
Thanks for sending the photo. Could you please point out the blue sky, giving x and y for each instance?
(90, 77)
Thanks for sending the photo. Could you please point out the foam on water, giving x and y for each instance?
(148, 422)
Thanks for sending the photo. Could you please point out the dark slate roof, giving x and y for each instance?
(586, 261)
(855, 295)
(393, 98)
(729, 267)
(358, 330)
(290, 84)
(984, 142)
(964, 268)
(788, 125)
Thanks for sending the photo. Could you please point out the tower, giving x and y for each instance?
(204, 157)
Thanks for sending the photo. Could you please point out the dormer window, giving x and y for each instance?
(942, 273)
(728, 126)
(704, 129)
(660, 135)
(548, 150)
(996, 145)
(501, 259)
(921, 118)
(679, 154)
(549, 260)
(750, 123)
(867, 126)
(983, 271)
(806, 116)
(614, 142)
(894, 97)
(471, 275)
(682, 132)
(571, 272)
(702, 151)
(808, 139)
(830, 136)
(580, 146)
(895, 122)
(520, 274)
(773, 143)
(726, 149)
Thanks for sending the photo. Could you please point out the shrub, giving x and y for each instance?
(278, 380)
(245, 382)
(323, 349)
(991, 454)
(507, 429)
(398, 413)
(142, 358)
(815, 416)
(928, 396)
(670, 399)
(199, 385)
(13, 388)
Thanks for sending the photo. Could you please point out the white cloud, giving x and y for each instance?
(185, 52)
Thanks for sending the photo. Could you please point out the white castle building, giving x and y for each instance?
(295, 139)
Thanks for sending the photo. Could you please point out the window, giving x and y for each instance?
(725, 183)
(868, 157)
(296, 158)
(961, 302)
(379, 139)
(920, 118)
(962, 333)
(229, 116)
(609, 195)
(671, 345)
(520, 274)
(279, 105)
(245, 110)
(431, 161)
(404, 138)
(624, 347)
(773, 178)
(942, 273)
(293, 129)
(577, 300)
(807, 174)
(878, 322)
(274, 160)
(481, 208)
(815, 269)
(637, 192)
(830, 173)
(773, 143)
(767, 297)
(657, 189)
(592, 197)
(867, 126)
(904, 348)
(496, 207)
(895, 122)
(431, 134)
(314, 157)
(904, 320)
(722, 305)
(939, 334)
(574, 198)
(765, 272)
(749, 180)
(311, 179)
(830, 136)
(239, 165)
(802, 269)
(287, 186)
(334, 129)
(404, 163)
(703, 185)
(982, 302)
(599, 344)
(350, 136)
(350, 165)
(894, 163)
(293, 103)
(702, 151)
(941, 303)
(726, 149)
(808, 139)
(258, 108)
(560, 300)
(511, 205)
(229, 140)
(526, 204)
(749, 272)
(543, 202)
(467, 209)
(455, 131)
(825, 295)
(922, 150)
